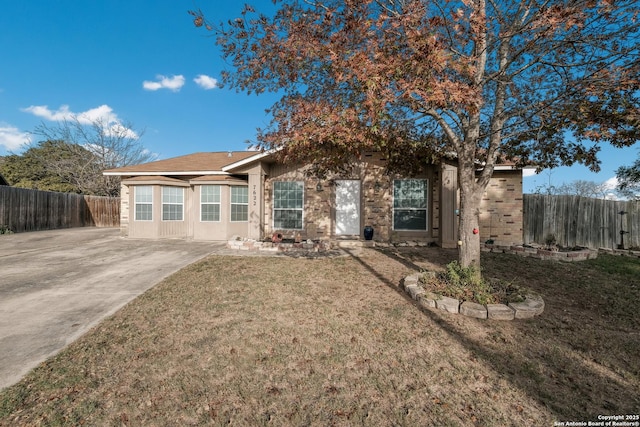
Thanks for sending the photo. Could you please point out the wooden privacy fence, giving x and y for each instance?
(31, 210)
(581, 221)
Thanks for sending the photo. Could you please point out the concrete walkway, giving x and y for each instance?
(55, 285)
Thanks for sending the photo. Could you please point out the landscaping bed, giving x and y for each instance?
(465, 291)
(541, 252)
(526, 307)
(281, 245)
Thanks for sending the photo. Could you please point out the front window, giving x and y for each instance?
(143, 203)
(410, 204)
(239, 204)
(288, 197)
(210, 203)
(172, 203)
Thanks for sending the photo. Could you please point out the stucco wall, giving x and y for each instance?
(216, 230)
(157, 228)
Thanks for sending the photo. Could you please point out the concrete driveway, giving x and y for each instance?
(57, 284)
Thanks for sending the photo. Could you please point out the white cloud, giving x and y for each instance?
(120, 130)
(103, 115)
(206, 82)
(11, 138)
(611, 183)
(43, 111)
(173, 83)
(609, 187)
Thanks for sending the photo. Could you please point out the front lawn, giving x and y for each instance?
(334, 341)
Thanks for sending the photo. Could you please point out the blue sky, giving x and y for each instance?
(145, 63)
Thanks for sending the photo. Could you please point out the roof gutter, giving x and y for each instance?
(251, 159)
(171, 173)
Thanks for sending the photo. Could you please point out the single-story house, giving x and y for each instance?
(214, 196)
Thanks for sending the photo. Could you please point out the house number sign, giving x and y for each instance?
(255, 195)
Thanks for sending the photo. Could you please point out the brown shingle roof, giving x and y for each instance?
(197, 162)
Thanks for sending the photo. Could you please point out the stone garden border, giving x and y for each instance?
(541, 253)
(310, 246)
(532, 306)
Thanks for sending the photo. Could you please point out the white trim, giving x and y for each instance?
(135, 203)
(511, 168)
(502, 167)
(175, 183)
(173, 204)
(208, 203)
(257, 156)
(273, 206)
(231, 203)
(339, 210)
(425, 209)
(165, 173)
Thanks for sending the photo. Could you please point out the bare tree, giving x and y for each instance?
(90, 147)
(629, 180)
(585, 188)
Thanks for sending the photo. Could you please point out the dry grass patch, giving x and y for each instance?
(282, 341)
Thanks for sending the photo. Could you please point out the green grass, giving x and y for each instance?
(620, 266)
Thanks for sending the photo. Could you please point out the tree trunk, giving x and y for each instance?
(468, 223)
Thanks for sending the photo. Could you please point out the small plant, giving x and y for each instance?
(463, 283)
(506, 292)
(5, 229)
(466, 284)
(550, 241)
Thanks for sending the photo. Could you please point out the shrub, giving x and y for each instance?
(4, 229)
(467, 284)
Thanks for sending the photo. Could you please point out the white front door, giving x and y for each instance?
(348, 207)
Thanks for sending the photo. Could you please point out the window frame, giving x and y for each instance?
(294, 209)
(424, 209)
(236, 203)
(181, 204)
(136, 203)
(218, 203)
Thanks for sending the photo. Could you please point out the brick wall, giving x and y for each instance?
(376, 201)
(501, 209)
(377, 192)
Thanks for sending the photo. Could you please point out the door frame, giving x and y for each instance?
(358, 207)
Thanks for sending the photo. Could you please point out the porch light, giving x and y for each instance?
(319, 187)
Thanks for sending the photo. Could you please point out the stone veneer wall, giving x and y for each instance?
(317, 204)
(501, 209)
(124, 210)
(377, 192)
